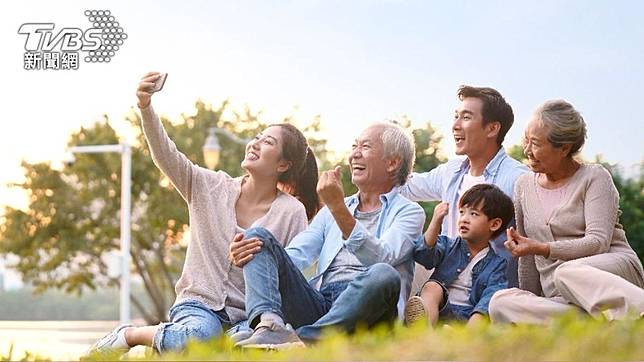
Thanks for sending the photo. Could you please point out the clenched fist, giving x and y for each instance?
(330, 188)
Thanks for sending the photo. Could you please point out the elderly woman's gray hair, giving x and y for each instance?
(399, 143)
(564, 123)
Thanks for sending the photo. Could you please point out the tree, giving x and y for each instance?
(72, 220)
(516, 152)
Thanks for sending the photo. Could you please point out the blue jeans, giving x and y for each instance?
(455, 312)
(274, 284)
(192, 320)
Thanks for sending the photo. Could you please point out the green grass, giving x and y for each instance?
(28, 356)
(567, 339)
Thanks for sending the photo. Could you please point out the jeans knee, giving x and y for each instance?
(266, 237)
(384, 275)
(260, 233)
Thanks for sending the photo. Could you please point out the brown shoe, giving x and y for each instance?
(414, 310)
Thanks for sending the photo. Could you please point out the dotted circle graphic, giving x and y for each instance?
(111, 35)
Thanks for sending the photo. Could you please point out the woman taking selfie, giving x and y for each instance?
(210, 291)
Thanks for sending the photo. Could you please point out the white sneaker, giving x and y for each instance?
(110, 343)
(272, 336)
(241, 335)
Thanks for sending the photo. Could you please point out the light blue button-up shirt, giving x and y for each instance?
(399, 225)
(443, 182)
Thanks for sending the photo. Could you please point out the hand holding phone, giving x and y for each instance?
(150, 83)
(158, 84)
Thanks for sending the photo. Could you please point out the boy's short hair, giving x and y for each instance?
(492, 202)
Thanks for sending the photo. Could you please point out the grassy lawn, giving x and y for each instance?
(568, 339)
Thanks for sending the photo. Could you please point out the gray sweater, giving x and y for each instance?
(207, 275)
(585, 224)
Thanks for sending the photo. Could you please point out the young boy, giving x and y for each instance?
(467, 271)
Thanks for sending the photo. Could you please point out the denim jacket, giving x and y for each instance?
(449, 257)
(400, 224)
(443, 182)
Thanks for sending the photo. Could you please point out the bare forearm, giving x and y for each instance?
(440, 211)
(346, 222)
(543, 249)
(431, 234)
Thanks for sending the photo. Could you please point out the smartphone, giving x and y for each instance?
(158, 84)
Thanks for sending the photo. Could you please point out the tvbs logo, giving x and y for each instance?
(47, 48)
(39, 37)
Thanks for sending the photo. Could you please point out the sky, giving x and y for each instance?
(351, 62)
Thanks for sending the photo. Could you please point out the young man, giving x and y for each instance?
(481, 121)
(467, 272)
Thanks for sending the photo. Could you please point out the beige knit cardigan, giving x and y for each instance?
(211, 196)
(586, 223)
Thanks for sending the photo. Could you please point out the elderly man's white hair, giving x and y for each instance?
(398, 142)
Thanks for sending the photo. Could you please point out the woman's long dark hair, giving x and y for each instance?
(301, 179)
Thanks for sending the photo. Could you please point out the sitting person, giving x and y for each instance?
(467, 271)
(363, 245)
(573, 253)
(482, 118)
(210, 291)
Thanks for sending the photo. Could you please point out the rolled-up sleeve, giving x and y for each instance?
(426, 186)
(434, 256)
(305, 247)
(395, 245)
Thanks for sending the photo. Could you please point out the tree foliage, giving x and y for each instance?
(73, 217)
(516, 152)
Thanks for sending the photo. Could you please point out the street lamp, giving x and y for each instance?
(211, 151)
(211, 148)
(126, 215)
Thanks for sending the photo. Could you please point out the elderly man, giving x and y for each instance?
(363, 245)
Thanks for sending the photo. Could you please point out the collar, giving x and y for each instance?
(492, 167)
(385, 199)
(463, 244)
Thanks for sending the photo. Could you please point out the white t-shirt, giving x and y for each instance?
(346, 266)
(468, 182)
(239, 229)
(460, 289)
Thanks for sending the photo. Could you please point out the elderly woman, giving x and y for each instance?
(573, 253)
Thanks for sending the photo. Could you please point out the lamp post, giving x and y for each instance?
(211, 148)
(126, 216)
(211, 151)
